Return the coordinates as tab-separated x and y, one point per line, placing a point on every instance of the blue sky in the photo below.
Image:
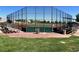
72	10
5	10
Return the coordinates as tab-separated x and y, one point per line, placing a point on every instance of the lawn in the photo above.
40	44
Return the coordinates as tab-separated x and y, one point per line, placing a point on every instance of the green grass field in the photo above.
40	45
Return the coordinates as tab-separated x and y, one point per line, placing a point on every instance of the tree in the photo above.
44	21
9	21
56	22
48	22
77	17
0	18
31	20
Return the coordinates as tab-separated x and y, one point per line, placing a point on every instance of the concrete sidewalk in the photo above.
76	33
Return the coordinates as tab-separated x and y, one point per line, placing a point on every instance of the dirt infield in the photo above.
40	35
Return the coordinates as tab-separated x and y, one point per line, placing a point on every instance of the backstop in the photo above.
40	18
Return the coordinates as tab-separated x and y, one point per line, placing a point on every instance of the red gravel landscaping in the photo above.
39	35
